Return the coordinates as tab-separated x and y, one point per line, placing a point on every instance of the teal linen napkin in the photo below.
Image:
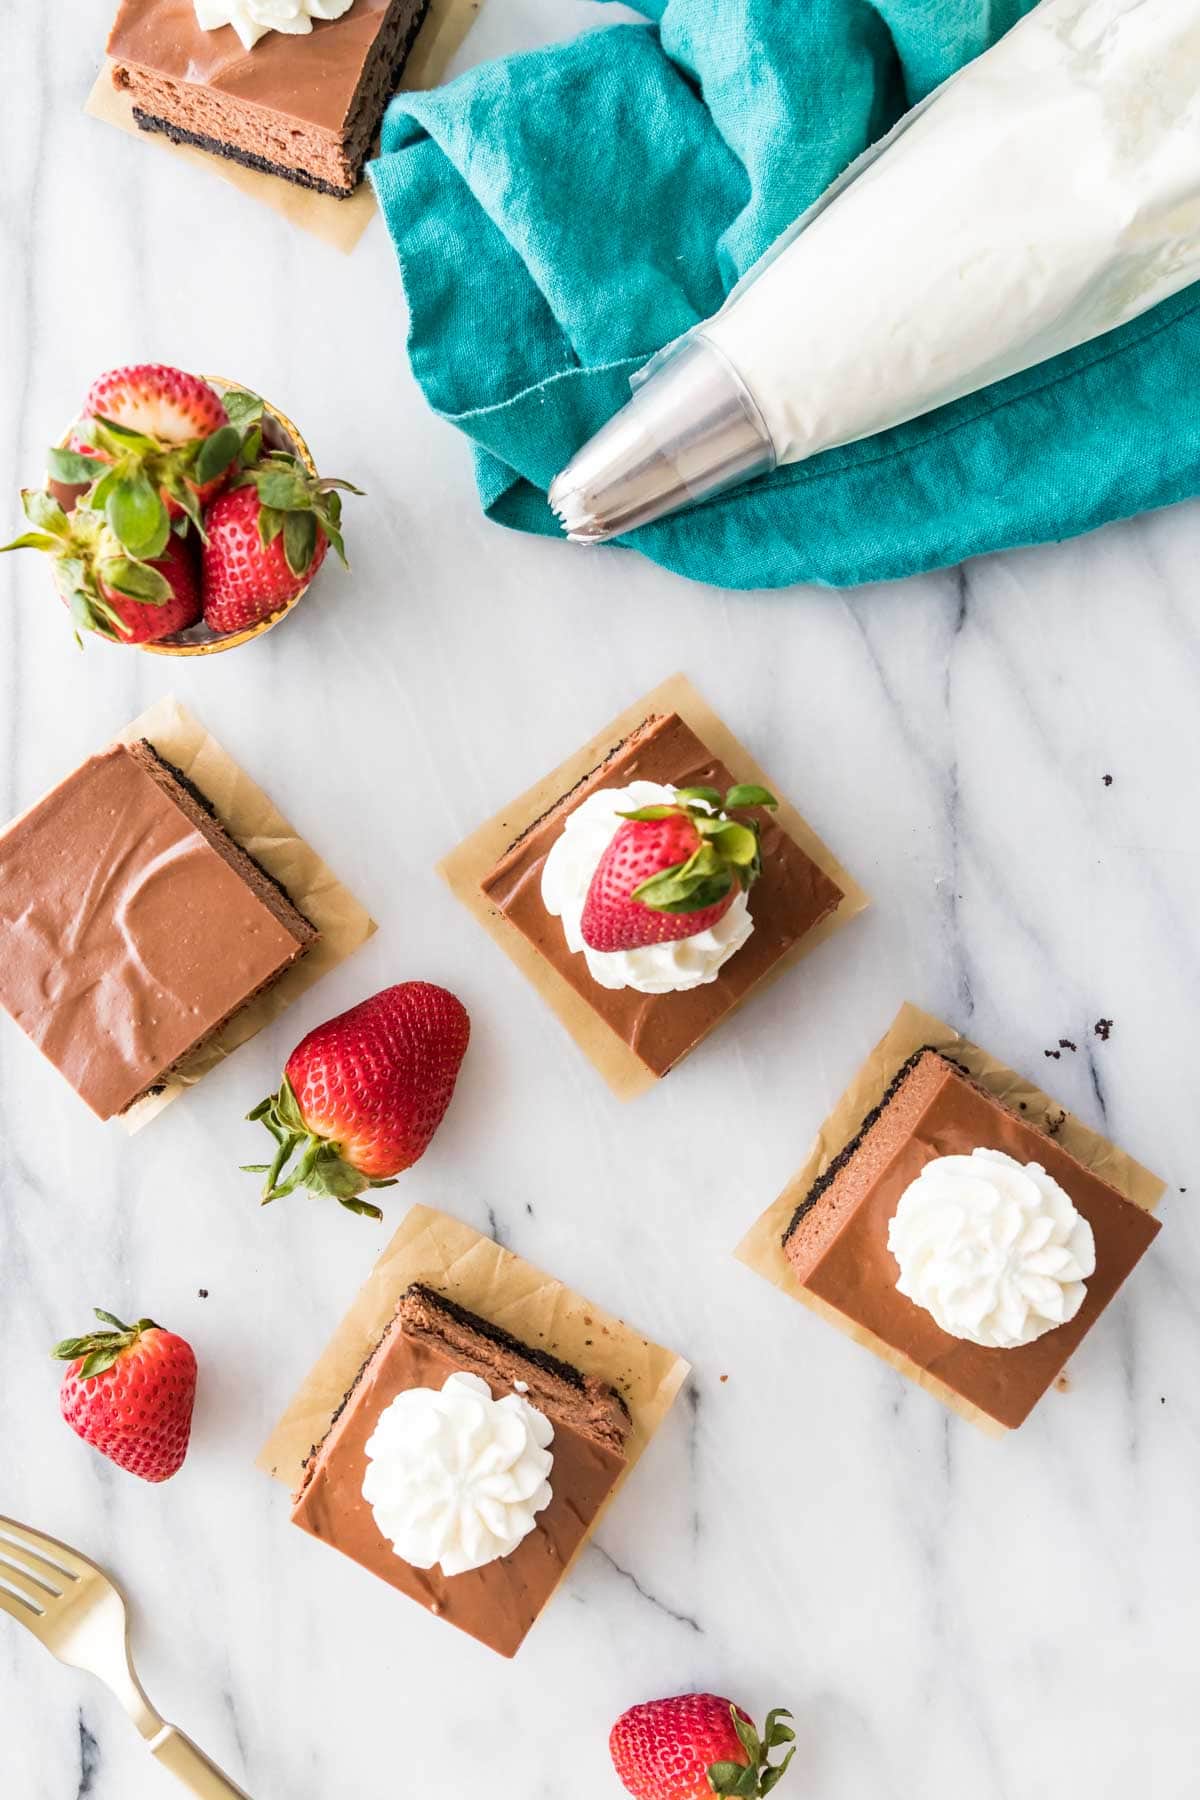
561	215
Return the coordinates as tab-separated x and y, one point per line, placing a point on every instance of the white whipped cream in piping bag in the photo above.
252	19
455	1477
567	875
1047	193
993	1248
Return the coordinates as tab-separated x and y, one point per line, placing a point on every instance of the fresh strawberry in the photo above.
697	1745
129	1393
363	1094
266	539
167	443
105	589
672	871
157	401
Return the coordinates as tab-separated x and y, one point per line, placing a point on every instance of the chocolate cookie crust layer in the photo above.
791	897
196	140
837	1239
428	1339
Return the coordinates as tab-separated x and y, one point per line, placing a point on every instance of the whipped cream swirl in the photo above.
567	875
455	1477
252	19
993	1248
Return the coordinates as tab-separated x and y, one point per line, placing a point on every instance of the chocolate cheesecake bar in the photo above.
430	1338
792	895
132	926
837	1238
305	106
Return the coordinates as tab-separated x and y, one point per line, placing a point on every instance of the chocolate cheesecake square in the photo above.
837	1238
132	926
430	1338
792	896
305	106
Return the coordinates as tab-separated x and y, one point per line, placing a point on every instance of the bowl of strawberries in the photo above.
181	513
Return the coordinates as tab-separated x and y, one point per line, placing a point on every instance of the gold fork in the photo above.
79	1614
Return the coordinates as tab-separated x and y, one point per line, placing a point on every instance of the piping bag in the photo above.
1045	194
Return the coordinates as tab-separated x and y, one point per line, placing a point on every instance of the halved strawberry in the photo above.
168	443
672	871
105	589
157	401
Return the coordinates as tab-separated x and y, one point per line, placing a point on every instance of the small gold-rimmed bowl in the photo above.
279	433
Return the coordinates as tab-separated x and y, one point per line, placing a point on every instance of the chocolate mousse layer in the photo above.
428	1340
132	926
305	106
791	896
837	1238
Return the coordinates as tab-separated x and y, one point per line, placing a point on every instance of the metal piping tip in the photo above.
690	430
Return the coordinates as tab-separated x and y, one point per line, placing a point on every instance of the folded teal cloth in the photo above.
561	215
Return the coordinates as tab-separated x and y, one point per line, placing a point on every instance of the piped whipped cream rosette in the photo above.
252	19
455	1477
651	883
993	1248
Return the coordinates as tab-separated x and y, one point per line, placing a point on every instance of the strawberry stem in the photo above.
728	850
321	1167
98	1350
757	1776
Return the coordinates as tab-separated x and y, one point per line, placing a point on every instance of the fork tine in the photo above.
39	1568
61	1558
27	1584
51	1581
23	1611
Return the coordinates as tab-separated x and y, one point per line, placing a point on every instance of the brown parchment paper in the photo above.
337	222
465	867
249	816
435	1248
762	1247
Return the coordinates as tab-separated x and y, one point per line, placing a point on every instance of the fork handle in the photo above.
189	1765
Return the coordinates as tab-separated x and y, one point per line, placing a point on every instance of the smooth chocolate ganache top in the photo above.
837	1240
126	937
311	77
791	896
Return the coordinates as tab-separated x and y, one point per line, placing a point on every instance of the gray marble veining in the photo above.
1007	757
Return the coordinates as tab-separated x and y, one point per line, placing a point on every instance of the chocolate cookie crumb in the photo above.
1066	1044
1107	780
1103	1029
1056	1054
202	1293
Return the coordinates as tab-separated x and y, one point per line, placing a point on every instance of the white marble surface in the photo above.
946	1615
